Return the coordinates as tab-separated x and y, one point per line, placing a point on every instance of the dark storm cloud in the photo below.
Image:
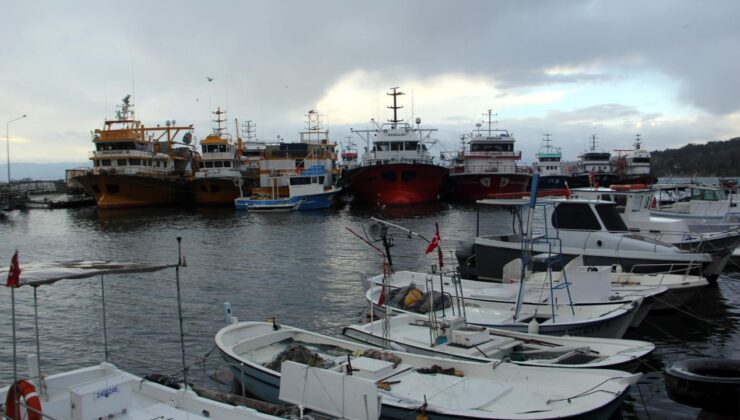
272	60
292	51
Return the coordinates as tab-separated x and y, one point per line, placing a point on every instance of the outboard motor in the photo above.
465	254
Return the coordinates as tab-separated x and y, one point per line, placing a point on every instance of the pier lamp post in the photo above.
7	143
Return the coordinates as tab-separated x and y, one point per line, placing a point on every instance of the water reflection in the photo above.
302	267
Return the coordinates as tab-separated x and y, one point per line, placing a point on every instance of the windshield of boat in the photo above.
578	216
610	217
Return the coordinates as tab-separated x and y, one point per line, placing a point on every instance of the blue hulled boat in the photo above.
306	192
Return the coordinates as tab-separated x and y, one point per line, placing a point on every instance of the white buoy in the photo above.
533	327
227	313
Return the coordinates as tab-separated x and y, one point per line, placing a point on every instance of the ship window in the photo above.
321	179
382	146
200	165
299	163
121	162
636	203
218	164
314	180
134	162
641	160
610	217
221	147
300	180
227	164
105	162
706	195
621	200
574	216
389	176
209	164
408	176
396	145
410	145
203	148
112	188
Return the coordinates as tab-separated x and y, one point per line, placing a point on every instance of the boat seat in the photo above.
497	347
262	341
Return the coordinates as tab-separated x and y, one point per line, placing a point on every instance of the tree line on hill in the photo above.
715	158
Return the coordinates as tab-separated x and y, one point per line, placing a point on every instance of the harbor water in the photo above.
302	268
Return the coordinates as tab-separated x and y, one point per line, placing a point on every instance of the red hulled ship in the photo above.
398	169
487	166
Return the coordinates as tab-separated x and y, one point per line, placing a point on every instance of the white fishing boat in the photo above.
697	203
679	288
415	333
106	391
411	385
601	320
588	228
634	207
103	390
587	288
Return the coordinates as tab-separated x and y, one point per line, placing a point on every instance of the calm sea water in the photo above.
302	268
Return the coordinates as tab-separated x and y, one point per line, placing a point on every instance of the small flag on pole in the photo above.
14	273
434	243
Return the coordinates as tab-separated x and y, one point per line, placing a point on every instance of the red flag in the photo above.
434	243
14	273
592	178
381	298
567	191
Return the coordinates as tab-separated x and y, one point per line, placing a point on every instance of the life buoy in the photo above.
706	383
23	389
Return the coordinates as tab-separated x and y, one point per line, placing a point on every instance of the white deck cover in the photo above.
332	393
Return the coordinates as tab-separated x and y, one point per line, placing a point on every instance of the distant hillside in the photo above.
38	171
716	158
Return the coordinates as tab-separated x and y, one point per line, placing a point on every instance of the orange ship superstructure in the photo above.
222	168
136	166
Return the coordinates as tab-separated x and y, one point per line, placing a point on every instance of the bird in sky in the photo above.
210	79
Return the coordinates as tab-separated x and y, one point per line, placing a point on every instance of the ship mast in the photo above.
547	141
490	115
218	130
249	130
637	141
395	106
593	142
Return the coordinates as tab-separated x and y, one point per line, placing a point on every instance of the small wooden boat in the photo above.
411	385
415	334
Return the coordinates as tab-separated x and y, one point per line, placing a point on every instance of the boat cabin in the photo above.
310	181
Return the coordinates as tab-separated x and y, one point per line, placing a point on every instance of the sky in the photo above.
669	70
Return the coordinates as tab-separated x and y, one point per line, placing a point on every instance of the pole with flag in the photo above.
14	277
435	243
